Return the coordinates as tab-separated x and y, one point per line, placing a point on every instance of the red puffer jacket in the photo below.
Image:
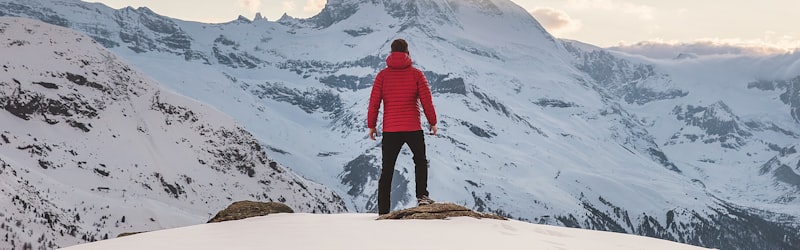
399	86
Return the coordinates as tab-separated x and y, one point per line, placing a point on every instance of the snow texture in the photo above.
335	232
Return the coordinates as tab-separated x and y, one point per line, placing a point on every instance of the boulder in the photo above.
436	211
246	209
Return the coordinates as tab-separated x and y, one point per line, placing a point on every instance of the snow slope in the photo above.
530	127
90	148
362	231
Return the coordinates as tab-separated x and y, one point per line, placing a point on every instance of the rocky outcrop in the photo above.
129	234
436	211
241	210
246	209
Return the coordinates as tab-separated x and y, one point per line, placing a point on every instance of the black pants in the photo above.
392	142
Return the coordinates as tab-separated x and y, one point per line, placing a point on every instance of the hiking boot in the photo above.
424	200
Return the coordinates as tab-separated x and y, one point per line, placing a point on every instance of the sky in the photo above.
359	231
605	23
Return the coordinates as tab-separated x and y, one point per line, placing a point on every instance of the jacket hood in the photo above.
398	60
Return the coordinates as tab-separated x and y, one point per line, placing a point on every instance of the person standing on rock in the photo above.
401	87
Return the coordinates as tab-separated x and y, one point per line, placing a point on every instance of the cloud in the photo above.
644	12
556	21
314	6
661	49
251	5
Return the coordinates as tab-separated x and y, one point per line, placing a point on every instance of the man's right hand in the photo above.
372	133
434	129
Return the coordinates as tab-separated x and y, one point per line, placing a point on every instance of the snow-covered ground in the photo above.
362	231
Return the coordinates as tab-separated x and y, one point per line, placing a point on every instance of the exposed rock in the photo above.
129	234
436	211
246	209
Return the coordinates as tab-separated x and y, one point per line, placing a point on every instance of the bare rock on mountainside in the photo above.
129	234
246	209
436	211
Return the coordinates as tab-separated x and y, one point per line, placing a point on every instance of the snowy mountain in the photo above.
90	148
724	116
531	127
335	231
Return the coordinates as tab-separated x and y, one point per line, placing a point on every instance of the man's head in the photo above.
400	45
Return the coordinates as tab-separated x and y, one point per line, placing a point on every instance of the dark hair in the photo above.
400	45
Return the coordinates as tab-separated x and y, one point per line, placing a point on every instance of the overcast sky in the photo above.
604	23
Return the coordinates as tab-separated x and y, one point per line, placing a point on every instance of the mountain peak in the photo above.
242	19
418	11
259	17
286	19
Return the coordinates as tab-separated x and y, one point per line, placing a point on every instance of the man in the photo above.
401	87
